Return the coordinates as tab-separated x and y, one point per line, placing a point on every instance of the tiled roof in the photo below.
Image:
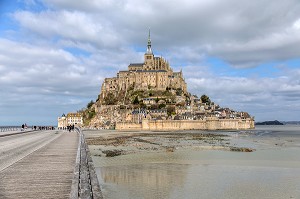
150	71
136	64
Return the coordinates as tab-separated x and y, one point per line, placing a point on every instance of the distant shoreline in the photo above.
283	123
275	122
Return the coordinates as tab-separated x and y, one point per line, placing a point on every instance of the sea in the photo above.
271	171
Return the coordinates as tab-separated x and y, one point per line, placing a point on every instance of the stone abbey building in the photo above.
154	73
151	96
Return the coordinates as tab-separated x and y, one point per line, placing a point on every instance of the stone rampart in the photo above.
128	126
174	125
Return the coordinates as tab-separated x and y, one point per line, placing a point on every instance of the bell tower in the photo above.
149	57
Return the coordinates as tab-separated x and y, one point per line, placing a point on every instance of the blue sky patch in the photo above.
77	51
270	69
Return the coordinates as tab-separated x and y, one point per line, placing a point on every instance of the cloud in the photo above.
253	94
63	49
244	34
74	26
39	76
35	77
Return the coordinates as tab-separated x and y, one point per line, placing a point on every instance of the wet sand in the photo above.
168	165
111	144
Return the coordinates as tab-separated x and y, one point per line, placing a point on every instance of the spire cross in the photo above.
149	35
149	50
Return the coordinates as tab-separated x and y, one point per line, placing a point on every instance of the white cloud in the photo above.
244	34
72	25
275	96
43	67
296	24
44	73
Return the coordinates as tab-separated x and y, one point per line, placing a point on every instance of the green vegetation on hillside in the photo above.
135	97
88	113
205	99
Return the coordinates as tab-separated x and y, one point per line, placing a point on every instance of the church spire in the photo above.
149	50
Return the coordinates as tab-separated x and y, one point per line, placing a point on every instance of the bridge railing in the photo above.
85	183
9	128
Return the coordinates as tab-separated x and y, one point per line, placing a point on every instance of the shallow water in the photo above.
269	172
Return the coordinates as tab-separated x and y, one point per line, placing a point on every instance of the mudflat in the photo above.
259	163
109	144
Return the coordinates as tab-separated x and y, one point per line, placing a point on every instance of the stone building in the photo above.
70	119
62	121
74	118
154	73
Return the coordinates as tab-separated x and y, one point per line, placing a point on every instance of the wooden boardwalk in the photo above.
46	173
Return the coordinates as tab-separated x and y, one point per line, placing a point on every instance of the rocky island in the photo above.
275	122
151	96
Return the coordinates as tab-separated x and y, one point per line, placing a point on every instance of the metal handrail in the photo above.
85	183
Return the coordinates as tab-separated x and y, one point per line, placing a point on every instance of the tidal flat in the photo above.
259	163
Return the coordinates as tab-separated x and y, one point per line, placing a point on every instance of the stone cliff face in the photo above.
106	117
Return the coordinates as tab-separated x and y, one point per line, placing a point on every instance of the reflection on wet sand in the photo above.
271	171
206	174
145	180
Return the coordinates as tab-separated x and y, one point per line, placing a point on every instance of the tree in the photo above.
90	104
156	100
91	114
179	91
160	106
167	93
142	105
205	99
98	98
170	110
110	99
136	100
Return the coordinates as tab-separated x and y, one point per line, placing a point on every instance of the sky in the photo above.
55	54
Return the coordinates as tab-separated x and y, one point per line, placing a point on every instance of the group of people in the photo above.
69	128
23	127
43	128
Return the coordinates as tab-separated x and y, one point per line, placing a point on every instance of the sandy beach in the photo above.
260	163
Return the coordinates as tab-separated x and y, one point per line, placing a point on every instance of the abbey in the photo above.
151	96
155	73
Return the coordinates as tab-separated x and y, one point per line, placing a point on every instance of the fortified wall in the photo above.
175	125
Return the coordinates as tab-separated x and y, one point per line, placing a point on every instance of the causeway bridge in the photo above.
46	164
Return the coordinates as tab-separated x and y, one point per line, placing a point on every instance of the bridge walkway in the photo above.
46	173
